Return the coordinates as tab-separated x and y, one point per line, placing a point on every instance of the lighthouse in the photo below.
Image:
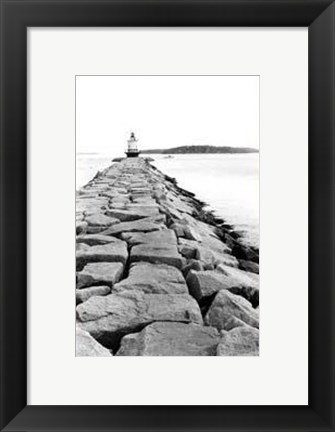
132	149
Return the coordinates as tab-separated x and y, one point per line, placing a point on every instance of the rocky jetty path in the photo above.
157	275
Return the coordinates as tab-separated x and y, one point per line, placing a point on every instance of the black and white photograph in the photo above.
163	162
167	215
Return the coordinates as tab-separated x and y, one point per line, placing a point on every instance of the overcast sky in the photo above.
166	111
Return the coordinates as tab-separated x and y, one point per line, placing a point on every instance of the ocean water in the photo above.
228	183
87	165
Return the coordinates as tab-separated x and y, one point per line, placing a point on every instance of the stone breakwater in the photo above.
157	274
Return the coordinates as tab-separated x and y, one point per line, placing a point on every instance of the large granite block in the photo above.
153	279
111	317
158	254
171	339
111	252
101	273
227	306
241	341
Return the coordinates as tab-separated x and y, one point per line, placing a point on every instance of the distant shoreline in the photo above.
201	150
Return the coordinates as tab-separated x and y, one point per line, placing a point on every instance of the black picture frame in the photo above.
16	17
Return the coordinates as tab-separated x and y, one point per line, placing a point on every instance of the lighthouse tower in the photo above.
132	149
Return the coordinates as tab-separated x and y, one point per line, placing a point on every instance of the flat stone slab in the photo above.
140	191
157	254
142	225
206	283
83	193
144	200
115	315
87	346
121	199
111	252
131	215
139	184
171	339
161	237
101	220
111	194
144	207
153	279
227	306
102	273
84	294
119	190
96	239
241	341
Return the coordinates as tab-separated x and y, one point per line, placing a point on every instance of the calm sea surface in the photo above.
229	184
